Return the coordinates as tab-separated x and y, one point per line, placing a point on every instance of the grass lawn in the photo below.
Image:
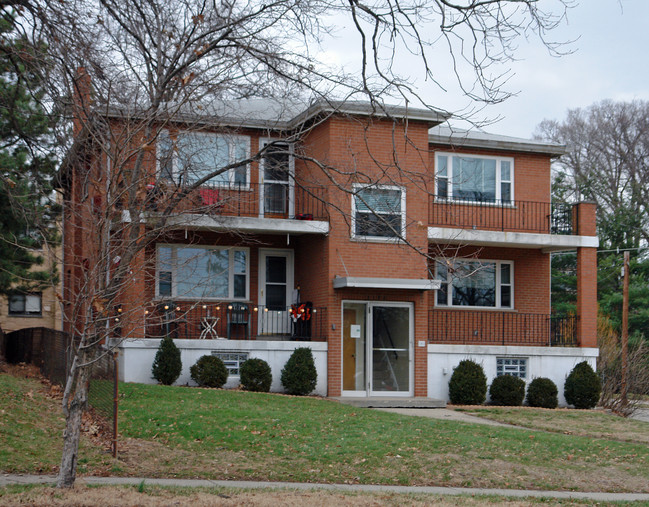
217	434
588	423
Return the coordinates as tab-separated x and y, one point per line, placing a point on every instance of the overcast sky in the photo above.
610	61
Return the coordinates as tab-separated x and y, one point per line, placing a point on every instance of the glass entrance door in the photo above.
377	349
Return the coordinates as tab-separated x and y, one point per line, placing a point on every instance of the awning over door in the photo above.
386	283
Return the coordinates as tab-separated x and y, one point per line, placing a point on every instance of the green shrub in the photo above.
256	375
468	384
209	371
299	375
167	364
507	390
583	387
542	392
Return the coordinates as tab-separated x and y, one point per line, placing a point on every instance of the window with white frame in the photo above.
25	304
514	366
190	156
198	272
379	212
475	283
232	360
473	178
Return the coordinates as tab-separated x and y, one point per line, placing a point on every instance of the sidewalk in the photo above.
7	479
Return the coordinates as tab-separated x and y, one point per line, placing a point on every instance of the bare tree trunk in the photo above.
77	388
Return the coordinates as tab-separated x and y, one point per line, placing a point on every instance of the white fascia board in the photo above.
386	283
247	224
546	242
512	350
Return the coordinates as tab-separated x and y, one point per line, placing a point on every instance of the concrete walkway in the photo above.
7	479
446	414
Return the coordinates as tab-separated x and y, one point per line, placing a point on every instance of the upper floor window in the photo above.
476	283
379	212
472	178
197	272
25	304
191	156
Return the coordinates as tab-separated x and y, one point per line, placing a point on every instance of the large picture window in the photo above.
379	212
475	283
191	156
470	178
195	272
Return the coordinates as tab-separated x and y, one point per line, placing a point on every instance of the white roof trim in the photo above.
386	283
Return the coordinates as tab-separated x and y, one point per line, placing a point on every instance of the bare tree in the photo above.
607	163
156	65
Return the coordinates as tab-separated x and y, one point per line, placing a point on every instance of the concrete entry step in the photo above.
392	402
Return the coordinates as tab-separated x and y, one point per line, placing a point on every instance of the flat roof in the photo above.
475	138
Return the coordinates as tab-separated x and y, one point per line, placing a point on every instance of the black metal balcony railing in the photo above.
502	328
504	215
272	200
230	320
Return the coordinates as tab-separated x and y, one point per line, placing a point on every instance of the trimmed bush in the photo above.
542	392
167	364
256	375
583	386
507	390
299	375
468	384
209	371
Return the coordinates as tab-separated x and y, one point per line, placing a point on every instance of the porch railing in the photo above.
504	215
234	320
501	328
271	200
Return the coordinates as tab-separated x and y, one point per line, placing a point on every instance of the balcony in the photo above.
499	215
234	321
248	208
522	224
470	327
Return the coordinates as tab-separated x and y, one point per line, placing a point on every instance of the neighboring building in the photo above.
34	309
271	255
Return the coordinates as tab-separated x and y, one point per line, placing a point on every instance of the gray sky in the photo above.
610	61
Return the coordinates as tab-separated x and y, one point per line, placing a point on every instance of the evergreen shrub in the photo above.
507	390
468	384
542	392
167	364
299	375
256	375
209	371
583	387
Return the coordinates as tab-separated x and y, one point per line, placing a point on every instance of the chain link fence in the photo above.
52	351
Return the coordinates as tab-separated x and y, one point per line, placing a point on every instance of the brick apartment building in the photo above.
390	244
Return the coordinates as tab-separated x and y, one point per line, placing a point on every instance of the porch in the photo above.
234	321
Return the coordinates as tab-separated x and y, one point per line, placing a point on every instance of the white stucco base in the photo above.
554	363
136	358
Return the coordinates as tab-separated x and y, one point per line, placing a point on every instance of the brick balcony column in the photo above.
586	277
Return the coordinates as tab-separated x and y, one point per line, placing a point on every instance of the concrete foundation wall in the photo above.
136	358
554	363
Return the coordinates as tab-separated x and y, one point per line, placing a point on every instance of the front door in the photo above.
275	291
377	349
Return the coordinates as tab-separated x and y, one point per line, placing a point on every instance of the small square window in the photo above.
515	366
231	360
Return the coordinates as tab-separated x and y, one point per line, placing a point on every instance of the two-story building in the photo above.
391	245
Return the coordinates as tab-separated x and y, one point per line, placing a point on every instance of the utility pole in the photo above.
625	332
